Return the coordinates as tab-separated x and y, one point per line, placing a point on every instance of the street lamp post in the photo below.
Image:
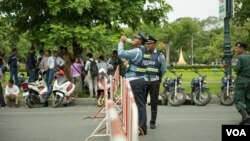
192	48
227	41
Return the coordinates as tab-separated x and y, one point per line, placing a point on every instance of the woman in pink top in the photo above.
76	69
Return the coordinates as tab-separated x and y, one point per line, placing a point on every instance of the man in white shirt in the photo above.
58	60
11	93
51	70
103	64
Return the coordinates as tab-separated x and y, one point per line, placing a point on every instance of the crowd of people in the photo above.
47	62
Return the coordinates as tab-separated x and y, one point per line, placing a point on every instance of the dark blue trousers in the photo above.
32	75
2	103
139	90
14	73
152	88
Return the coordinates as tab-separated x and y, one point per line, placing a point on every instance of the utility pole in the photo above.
192	49
227	41
167	44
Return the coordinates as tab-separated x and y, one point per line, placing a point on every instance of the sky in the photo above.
193	8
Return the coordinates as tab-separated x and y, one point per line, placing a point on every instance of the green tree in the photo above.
89	24
242	11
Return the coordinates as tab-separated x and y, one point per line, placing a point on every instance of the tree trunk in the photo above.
167	53
77	50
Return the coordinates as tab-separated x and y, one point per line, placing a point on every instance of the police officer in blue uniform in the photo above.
155	70
135	75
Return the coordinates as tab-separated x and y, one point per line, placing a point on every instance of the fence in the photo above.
120	121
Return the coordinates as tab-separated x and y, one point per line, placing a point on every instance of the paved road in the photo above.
185	123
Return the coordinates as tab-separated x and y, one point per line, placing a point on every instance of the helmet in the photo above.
102	71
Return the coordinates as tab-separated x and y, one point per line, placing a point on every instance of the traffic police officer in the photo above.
242	84
155	70
135	75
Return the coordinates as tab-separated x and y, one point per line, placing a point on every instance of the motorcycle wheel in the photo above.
164	98
227	100
202	98
57	101
177	99
30	103
100	100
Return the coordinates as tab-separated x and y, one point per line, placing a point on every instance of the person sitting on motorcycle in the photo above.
59	73
21	78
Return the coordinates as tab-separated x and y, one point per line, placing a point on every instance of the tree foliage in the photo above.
96	25
90	24
242	11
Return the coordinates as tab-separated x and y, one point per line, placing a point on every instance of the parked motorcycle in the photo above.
227	90
34	93
200	94
173	91
62	91
101	87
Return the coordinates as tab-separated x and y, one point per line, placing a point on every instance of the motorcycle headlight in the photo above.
233	80
204	81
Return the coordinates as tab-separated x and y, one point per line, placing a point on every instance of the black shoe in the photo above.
247	122
152	126
245	117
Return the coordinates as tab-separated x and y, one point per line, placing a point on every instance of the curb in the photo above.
92	101
215	100
77	102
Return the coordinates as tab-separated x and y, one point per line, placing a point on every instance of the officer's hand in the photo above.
123	39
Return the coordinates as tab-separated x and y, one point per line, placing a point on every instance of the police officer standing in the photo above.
155	70
135	75
242	84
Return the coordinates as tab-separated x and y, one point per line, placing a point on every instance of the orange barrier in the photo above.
117	133
126	128
116	79
105	121
129	112
115	83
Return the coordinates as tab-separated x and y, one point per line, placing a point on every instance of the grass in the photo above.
213	80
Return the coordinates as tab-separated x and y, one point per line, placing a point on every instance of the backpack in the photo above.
93	69
4	68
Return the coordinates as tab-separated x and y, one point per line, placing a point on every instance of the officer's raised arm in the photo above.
127	54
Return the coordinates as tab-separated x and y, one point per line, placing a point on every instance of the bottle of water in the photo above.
128	40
